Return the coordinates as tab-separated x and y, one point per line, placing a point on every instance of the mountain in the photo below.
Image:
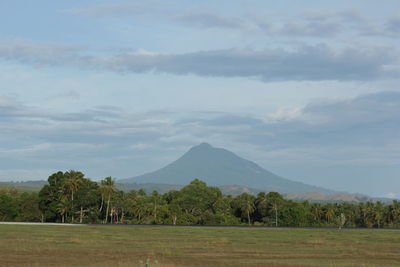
233	190
220	167
148	187
333	198
24	186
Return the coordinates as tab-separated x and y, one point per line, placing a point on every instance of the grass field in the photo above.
30	245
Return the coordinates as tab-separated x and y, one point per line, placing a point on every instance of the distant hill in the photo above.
234	190
148	187
220	167
336	198
25	186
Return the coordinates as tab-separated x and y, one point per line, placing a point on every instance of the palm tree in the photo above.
275	207
108	186
156	198
246	205
62	208
369	213
72	184
316	210
379	213
262	205
394	213
330	213
276	201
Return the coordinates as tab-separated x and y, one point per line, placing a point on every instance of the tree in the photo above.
330	213
393	214
261	203
223	212
87	198
292	214
245	204
172	199
63	207
342	220
316	211
197	198
108	185
379	213
70	194
28	207
155	200
72	182
369	214
49	197
8	205
118	206
275	200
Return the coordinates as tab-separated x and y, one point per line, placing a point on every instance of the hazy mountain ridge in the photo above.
220	167
234	190
318	197
25	186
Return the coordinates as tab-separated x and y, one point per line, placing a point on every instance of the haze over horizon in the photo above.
309	92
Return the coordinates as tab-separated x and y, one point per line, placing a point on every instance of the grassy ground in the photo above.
29	245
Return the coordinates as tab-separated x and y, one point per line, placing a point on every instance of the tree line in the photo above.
69	197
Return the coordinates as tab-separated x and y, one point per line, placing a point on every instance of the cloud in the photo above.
313	63
317	25
8	104
388	29
362	133
321	23
366	114
345	23
305	63
72	94
371	108
310	29
361	130
37	54
348	15
114	9
10	108
209	20
311	24
393	25
284	114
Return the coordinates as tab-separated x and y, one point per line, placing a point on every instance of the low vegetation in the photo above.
27	245
70	197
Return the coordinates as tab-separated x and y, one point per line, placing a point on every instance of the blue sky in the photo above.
307	90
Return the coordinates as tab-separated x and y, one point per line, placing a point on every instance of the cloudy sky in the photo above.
309	90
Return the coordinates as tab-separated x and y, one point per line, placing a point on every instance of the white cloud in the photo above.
314	63
285	114
140	146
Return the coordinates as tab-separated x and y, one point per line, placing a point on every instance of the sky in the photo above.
308	90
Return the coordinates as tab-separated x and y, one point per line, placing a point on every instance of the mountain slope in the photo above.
24	186
217	166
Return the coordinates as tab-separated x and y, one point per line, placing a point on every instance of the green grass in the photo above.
28	245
